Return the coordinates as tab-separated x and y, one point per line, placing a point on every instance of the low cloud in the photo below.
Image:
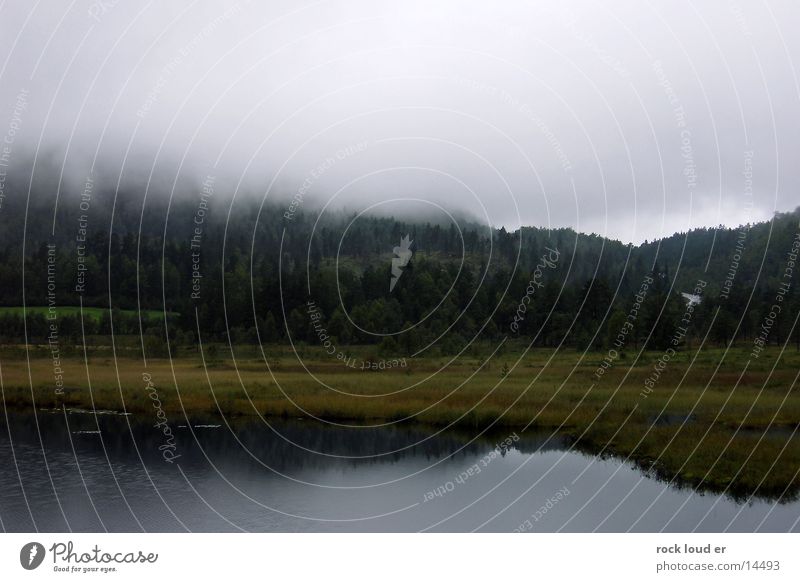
629	120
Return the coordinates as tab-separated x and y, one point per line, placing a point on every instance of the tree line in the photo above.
254	273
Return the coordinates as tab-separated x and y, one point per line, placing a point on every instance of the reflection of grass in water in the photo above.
547	402
708	468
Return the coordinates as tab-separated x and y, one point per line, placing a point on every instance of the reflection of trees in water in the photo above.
281	447
376	445
279	444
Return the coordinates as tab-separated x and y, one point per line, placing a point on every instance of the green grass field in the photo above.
94	313
712	424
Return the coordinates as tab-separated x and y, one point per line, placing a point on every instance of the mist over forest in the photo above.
245	269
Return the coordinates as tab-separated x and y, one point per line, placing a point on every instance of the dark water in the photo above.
301	476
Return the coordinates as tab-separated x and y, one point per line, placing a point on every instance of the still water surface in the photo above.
106	473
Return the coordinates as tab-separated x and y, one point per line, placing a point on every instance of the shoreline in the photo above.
695	428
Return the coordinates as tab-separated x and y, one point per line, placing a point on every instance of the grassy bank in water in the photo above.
705	422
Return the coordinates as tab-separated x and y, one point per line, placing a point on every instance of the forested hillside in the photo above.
259	272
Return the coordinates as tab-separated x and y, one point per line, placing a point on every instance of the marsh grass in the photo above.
741	440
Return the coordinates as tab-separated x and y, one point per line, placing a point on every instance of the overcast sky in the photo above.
631	119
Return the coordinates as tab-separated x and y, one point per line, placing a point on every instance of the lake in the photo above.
76	471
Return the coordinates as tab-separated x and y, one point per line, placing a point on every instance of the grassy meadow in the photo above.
95	313
707	422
